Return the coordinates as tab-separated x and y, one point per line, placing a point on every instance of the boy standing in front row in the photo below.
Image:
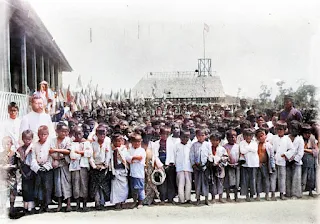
183	167
42	165
283	148
28	176
218	160
137	159
249	149
60	150
81	152
266	165
232	178
199	153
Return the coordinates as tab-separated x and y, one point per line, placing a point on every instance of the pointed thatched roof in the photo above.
179	86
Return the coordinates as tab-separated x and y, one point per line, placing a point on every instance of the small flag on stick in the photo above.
206	27
90	35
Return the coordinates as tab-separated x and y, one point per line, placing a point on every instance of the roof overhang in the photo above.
35	28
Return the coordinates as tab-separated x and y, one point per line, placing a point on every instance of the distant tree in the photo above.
278	101
305	96
265	97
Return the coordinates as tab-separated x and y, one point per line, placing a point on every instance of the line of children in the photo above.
108	169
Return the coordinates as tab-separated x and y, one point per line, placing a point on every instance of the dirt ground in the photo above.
305	210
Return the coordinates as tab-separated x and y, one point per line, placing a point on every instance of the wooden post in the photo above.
34	69
5	77
41	68
24	63
47	75
52	77
59	78
56	76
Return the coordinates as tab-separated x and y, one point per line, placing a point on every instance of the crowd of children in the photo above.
111	156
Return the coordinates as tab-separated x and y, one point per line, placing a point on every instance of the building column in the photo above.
5	77
23	63
52	82
47	75
59	78
56	77
41	68
34	69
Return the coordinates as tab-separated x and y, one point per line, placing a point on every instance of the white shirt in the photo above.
220	152
269	138
40	156
32	121
59	160
239	138
136	166
223	142
170	145
250	151
11	128
43	95
78	161
269	123
182	157
281	146
298	145
101	154
200	152
234	154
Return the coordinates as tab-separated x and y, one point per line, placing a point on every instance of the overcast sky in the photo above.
249	42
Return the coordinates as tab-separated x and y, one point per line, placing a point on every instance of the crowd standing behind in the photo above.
126	151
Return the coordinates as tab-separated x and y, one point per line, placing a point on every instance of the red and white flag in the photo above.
206	27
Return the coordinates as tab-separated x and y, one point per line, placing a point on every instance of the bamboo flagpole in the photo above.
205	29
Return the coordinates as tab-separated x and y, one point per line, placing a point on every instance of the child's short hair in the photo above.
248	132
115	136
164	130
295	125
281	125
102	126
184	132
229	132
61	125
13	104
77	127
27	133
43	128
215	136
306	128
245	124
200	131
6	138
260	130
5	141
135	137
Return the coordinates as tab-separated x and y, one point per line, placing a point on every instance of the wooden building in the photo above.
28	55
28	52
180	87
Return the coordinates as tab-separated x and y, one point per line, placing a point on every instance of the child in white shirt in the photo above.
283	149
136	157
249	149
183	167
